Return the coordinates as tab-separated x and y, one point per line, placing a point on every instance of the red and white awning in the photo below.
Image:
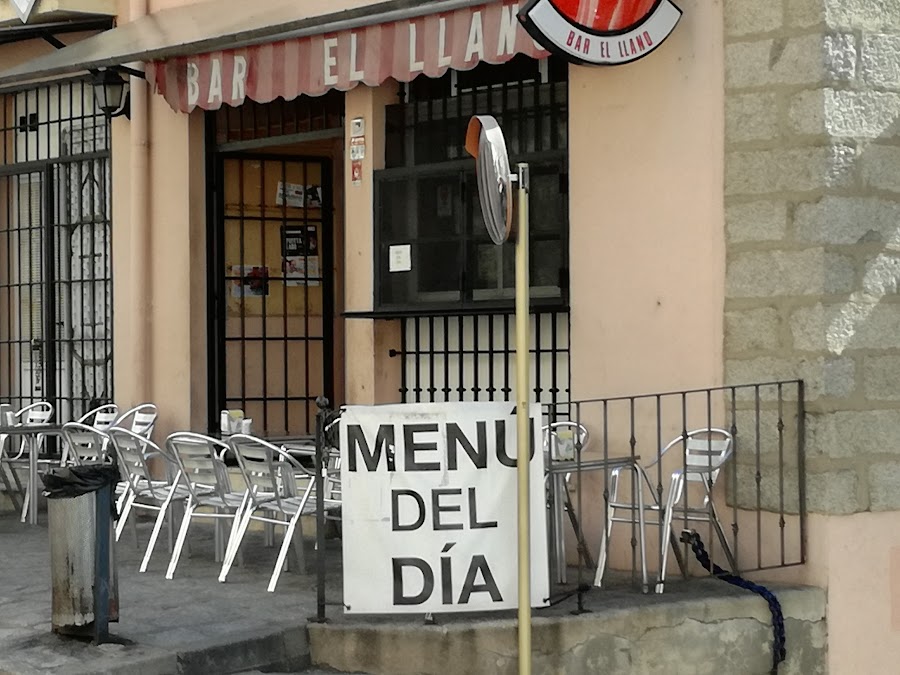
401	50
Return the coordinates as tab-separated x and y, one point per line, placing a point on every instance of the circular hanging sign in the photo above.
485	142
600	32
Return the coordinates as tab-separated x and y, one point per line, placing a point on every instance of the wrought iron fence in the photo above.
740	449
471	357
727	462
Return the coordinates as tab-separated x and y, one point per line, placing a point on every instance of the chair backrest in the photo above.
562	439
200	461
133	452
84	444
36	413
267	469
705	450
140	419
101	418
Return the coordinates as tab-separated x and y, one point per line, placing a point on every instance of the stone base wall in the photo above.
699	636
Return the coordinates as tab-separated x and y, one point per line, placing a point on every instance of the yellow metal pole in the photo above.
523	437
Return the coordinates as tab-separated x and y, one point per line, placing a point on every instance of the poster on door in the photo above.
429	508
300	255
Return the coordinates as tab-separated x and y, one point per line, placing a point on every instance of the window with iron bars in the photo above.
427	197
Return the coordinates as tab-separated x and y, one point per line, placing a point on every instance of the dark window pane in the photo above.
395	223
440	207
547	202
430	202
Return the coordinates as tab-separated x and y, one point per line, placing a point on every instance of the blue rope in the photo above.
779	653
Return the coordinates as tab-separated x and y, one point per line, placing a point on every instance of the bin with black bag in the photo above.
81	514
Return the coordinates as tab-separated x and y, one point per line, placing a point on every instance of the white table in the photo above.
30	433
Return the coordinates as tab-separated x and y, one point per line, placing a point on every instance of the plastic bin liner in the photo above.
75	481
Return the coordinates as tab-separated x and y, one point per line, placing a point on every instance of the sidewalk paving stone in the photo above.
191	624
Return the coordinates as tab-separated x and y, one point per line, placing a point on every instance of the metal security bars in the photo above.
55	249
273	342
253	124
426	198
471	357
757	495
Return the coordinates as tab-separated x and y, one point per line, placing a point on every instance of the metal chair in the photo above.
705	451
101	418
562	441
31	415
134	453
203	473
83	444
278	485
140	419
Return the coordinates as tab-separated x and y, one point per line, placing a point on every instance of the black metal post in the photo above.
101	565
322	404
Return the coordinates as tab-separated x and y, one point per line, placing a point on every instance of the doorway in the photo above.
274	335
56	311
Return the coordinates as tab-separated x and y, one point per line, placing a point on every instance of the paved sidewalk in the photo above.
192	624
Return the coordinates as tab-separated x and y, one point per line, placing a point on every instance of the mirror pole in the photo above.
523	437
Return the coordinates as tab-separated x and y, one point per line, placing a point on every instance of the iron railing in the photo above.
471	357
760	493
759	496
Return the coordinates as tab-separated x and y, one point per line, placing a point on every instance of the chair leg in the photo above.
25	503
604	540
157	526
235	526
282	554
182	535
642	529
559	545
666	534
124	512
236	547
729	554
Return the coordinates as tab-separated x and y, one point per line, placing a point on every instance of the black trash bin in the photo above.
82	552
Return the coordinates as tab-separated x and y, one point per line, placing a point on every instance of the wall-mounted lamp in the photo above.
111	93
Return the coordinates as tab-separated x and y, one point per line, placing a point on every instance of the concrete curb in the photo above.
281	649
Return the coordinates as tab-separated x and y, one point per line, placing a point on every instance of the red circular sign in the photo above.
605	15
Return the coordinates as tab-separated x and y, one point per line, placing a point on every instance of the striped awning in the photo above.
313	65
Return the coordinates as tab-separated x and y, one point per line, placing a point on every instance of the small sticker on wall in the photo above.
290	194
358	148
400	258
356	172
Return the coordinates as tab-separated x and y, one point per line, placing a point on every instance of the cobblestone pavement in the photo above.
220	626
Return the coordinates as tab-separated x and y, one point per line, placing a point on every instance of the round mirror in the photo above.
485	142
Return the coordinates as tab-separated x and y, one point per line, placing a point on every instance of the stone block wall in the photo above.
812	190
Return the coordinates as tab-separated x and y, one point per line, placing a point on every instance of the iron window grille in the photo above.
426	198
56	295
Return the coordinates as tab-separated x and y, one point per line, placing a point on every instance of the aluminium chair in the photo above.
140	419
12	458
562	441
202	472
280	492
101	418
83	444
704	452
134	453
